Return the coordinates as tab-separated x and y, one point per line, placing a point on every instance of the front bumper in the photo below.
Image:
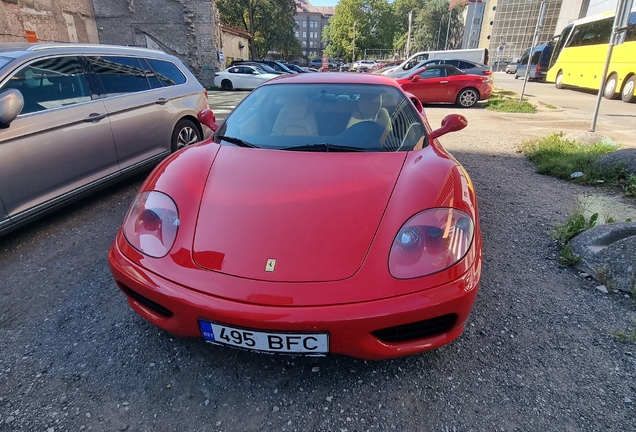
351	327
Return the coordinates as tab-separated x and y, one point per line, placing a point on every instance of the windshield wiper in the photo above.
239	142
327	147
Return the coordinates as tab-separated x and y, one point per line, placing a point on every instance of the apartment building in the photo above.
310	22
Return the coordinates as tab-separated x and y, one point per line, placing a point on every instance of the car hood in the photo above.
289	216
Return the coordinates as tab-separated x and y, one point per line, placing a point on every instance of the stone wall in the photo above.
47	21
184	28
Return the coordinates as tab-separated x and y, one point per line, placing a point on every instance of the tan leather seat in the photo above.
369	108
296	118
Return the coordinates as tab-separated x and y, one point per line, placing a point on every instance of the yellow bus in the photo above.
580	53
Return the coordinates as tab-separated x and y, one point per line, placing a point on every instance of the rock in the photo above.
626	156
588	138
602	288
608	253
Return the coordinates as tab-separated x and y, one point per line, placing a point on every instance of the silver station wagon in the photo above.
74	118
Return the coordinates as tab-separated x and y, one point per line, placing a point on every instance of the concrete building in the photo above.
47	21
188	29
310	22
234	44
508	26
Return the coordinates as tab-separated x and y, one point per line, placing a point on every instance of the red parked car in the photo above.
447	84
324	216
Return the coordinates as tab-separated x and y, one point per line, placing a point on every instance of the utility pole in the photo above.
408	38
537	35
353	60
450	15
620	24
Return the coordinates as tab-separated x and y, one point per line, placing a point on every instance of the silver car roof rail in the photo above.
90	46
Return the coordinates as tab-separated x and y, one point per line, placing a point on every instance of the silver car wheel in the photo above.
467	98
185	133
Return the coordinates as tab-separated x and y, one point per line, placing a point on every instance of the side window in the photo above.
233	70
463	65
433	73
167	72
120	75
50	83
152	78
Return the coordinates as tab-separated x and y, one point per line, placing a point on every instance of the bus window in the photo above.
560	43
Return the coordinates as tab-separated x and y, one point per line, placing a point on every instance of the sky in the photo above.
323	2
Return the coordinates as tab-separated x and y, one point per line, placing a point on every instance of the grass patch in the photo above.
547	105
575	224
558	157
626	335
510	105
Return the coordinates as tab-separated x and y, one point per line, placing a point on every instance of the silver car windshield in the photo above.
325	117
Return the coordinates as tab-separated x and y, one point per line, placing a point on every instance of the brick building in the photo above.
187	29
47	21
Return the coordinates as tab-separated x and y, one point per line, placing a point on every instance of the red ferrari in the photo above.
447	84
323	217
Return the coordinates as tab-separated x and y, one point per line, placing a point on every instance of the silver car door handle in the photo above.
443	82
161	101
94	117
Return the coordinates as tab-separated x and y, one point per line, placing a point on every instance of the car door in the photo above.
140	110
59	143
431	86
237	76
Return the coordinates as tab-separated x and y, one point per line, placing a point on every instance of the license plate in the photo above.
278	342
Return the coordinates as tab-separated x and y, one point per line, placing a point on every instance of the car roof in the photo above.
333	78
34	50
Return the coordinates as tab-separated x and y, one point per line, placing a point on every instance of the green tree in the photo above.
270	24
431	27
358	25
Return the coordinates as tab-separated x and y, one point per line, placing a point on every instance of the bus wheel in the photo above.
609	92
628	90
559	80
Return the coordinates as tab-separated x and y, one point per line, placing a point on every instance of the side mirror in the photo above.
207	117
11	103
450	123
415	78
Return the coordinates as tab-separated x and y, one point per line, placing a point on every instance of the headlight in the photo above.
430	241
151	224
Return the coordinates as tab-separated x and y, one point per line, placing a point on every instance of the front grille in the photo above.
416	330
153	306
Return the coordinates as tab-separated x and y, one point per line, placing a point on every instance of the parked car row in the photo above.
75	118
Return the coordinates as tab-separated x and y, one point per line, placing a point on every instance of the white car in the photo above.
241	77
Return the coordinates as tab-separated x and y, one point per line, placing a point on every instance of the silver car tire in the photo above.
609	91
467	98
185	133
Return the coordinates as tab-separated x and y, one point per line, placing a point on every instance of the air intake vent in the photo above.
145	301
417	330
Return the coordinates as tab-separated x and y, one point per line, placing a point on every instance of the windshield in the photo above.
337	117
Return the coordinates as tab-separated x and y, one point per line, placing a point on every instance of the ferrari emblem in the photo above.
271	264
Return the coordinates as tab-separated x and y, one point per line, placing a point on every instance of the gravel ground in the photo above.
537	354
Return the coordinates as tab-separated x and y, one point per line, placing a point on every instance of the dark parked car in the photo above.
74	118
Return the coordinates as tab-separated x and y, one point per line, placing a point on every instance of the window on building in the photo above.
304	34
477	21
297	34
304	43
304	23
297	24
